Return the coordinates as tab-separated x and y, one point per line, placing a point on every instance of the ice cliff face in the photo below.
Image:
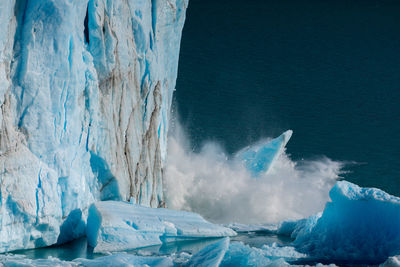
85	93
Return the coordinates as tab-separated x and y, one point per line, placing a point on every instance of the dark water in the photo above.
79	248
329	70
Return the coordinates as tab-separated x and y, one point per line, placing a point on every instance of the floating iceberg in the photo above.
117	226
358	225
288	253
119	260
222	253
243	228
211	255
259	158
244	255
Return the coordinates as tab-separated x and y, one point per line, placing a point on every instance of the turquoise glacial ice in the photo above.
358	225
119	226
85	93
260	157
211	255
220	253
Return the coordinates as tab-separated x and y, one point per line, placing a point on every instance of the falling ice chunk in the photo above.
260	157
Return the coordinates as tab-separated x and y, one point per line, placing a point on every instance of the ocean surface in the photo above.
328	70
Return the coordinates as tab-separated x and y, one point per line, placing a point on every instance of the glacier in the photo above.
119	226
85	94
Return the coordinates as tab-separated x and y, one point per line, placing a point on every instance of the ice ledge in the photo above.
118	226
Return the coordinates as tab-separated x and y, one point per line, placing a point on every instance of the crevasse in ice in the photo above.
85	94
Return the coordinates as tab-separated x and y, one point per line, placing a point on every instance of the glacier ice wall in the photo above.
85	93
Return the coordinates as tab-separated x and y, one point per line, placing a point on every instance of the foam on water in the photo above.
221	189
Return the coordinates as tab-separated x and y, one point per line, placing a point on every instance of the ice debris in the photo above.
115	260
240	254
122	259
244	228
260	157
219	253
211	255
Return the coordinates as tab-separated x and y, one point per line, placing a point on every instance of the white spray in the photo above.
223	190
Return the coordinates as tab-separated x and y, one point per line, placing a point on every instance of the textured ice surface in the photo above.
259	158
222	253
294	228
22	261
116	260
244	255
211	255
359	224
117	226
239	227
276	251
85	94
119	260
219	253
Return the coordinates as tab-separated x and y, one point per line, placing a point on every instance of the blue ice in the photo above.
85	89
118	226
358	225
211	255
260	157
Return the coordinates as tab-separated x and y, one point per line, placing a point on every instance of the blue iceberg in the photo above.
118	226
246	228
211	255
224	253
358	225
125	260
260	157
240	254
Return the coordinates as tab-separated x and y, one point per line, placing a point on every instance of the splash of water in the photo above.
223	190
